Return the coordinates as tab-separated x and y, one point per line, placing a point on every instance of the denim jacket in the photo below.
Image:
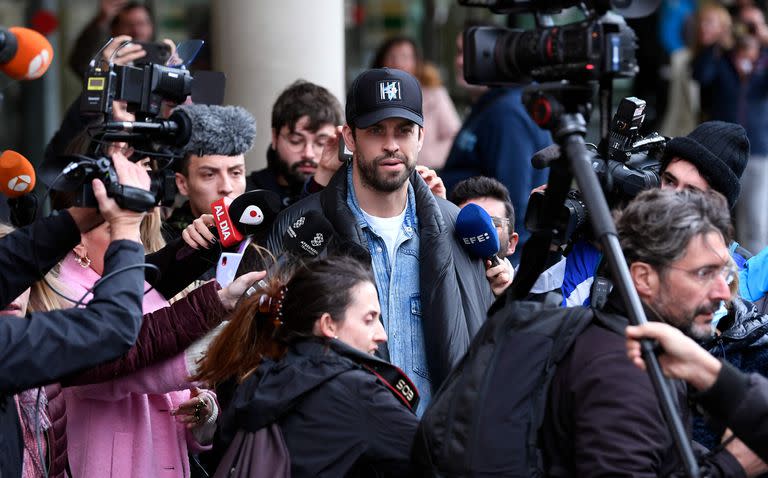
397	282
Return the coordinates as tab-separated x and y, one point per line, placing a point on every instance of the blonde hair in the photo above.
151	231
723	16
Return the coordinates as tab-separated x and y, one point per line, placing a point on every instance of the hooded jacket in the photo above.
337	418
455	295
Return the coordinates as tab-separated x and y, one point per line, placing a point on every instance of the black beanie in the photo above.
719	150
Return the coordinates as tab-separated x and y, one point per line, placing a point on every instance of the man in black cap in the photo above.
712	156
433	296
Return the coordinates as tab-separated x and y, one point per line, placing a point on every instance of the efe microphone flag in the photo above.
477	233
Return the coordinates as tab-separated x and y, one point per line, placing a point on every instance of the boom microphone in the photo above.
199	129
477	233
24	54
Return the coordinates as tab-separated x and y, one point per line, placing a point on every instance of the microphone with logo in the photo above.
247	217
250	213
17	180
24	54
477	233
305	238
308	235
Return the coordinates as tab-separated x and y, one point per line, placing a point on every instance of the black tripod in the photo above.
561	108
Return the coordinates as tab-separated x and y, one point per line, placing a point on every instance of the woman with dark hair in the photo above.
441	121
302	350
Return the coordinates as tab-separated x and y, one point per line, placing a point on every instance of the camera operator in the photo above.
53	344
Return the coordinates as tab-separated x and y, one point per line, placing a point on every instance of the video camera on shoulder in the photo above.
144	87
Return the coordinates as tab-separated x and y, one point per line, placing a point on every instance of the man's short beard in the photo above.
687	324
368	172
290	173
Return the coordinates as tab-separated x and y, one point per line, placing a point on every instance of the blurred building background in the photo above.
262	46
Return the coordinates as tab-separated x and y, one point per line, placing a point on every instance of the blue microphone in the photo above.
477	233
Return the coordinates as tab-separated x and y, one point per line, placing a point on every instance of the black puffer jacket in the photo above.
336	417
455	295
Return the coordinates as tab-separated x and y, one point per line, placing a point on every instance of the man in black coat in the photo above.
602	416
433	296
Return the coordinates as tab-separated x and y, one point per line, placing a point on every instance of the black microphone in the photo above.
254	211
198	129
308	235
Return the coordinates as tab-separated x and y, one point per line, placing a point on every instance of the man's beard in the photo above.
686	320
389	183
291	172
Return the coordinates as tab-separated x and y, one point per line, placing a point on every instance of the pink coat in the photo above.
123	428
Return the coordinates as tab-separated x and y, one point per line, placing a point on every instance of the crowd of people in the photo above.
124	352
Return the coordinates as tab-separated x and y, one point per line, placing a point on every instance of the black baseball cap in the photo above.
383	93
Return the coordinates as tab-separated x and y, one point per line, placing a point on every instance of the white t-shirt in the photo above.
388	228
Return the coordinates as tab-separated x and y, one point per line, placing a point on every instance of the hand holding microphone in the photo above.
478	235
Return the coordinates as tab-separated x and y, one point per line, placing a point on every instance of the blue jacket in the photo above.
498	140
743	102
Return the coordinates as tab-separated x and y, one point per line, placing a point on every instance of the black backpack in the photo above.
484	420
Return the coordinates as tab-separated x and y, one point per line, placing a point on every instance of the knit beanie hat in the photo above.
719	150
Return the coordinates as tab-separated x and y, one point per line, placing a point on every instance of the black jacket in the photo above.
53	344
740	402
455	295
603	417
336	417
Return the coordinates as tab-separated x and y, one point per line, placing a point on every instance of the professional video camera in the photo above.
599	45
631	166
143	88
573	58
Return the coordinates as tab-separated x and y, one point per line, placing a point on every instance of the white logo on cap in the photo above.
252	216
299	222
389	90
317	240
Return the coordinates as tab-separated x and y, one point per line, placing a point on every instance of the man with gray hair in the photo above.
603	417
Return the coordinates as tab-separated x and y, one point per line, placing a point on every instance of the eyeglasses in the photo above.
705	275
298	143
500	221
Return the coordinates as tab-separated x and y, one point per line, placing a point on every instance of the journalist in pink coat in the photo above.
125	428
